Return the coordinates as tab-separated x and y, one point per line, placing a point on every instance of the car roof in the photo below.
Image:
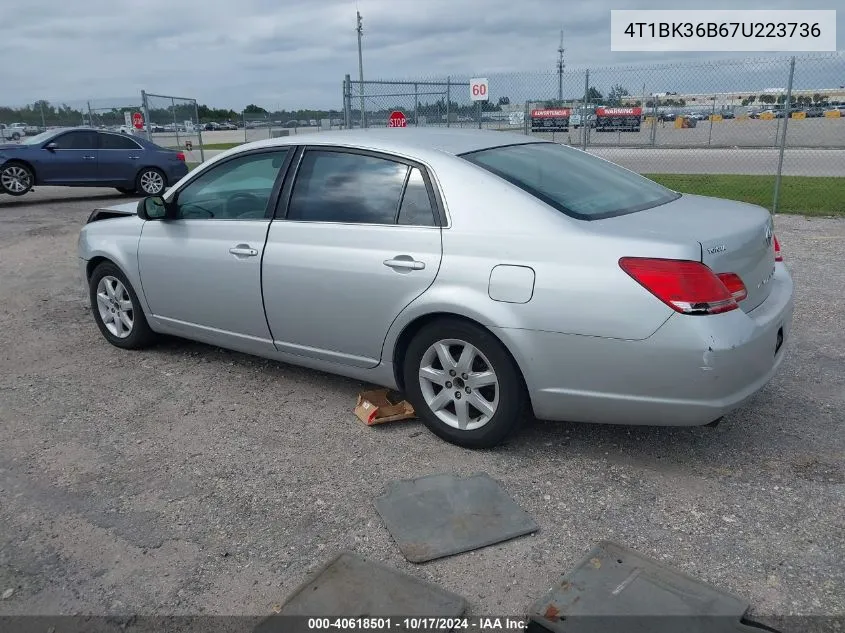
450	140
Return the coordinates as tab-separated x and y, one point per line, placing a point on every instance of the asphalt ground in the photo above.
187	479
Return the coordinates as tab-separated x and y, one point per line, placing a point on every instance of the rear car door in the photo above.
73	160
356	239
201	272
119	158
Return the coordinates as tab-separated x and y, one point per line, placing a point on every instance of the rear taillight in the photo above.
685	286
734	285
180	156
778	254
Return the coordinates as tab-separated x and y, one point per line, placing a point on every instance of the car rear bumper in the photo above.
176	172
690	372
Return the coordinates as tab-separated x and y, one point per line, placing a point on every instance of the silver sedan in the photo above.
480	273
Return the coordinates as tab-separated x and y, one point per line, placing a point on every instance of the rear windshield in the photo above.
572	181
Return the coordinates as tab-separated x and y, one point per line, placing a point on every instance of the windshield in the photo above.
572	181
38	138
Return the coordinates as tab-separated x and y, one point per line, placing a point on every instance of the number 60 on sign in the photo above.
478	89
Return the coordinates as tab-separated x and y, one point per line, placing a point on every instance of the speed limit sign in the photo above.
478	89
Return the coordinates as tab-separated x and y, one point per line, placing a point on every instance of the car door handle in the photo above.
88	157
243	250
404	262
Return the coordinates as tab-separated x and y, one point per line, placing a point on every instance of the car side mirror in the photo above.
51	146
152	208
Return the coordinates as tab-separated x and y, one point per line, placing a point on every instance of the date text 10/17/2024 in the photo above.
418	624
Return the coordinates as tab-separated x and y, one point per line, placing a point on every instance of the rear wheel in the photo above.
150	181
463	384
16	178
117	310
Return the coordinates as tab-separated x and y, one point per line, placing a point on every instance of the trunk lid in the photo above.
735	237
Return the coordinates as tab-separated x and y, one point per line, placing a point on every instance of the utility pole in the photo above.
560	67
360	30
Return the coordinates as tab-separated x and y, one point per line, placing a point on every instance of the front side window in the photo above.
572	181
76	140
345	187
238	189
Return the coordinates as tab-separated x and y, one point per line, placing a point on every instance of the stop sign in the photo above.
397	119
138	120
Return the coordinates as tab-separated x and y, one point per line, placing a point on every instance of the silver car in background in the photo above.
481	273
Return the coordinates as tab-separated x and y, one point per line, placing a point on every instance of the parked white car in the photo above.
9	133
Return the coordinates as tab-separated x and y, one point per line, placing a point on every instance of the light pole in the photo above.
560	67
360	30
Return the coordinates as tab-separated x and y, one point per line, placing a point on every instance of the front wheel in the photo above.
16	179
117	310
463	384
150	181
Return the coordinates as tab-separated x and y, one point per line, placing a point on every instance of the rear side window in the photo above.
346	187
116	141
416	208
572	181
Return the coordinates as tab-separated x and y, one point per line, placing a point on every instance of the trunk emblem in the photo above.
767	279
767	235
717	249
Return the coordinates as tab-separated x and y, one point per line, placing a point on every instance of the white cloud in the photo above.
294	53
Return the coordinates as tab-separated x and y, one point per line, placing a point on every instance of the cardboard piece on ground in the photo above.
441	515
375	407
615	588
350	586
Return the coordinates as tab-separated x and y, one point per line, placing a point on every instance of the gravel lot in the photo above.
188	479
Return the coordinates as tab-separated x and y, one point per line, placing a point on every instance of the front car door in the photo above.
201	272
356	239
73	160
119	159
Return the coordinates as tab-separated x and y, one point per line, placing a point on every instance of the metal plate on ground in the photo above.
350	586
615	588
441	515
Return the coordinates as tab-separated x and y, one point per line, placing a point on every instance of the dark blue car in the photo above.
84	157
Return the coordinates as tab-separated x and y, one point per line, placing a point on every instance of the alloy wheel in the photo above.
459	384
152	183
115	306
15	179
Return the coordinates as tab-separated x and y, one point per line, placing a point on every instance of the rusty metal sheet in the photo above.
441	515
350	586
615	588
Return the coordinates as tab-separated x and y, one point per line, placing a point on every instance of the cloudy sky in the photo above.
294	53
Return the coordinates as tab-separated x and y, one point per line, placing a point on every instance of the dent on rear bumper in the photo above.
690	372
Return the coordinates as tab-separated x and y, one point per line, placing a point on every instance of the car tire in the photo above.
16	137
150	182
16	178
126	191
113	298
491	407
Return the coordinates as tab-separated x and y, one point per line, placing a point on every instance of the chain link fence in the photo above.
760	118
174	122
257	126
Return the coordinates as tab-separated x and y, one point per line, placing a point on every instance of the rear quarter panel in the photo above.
578	288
